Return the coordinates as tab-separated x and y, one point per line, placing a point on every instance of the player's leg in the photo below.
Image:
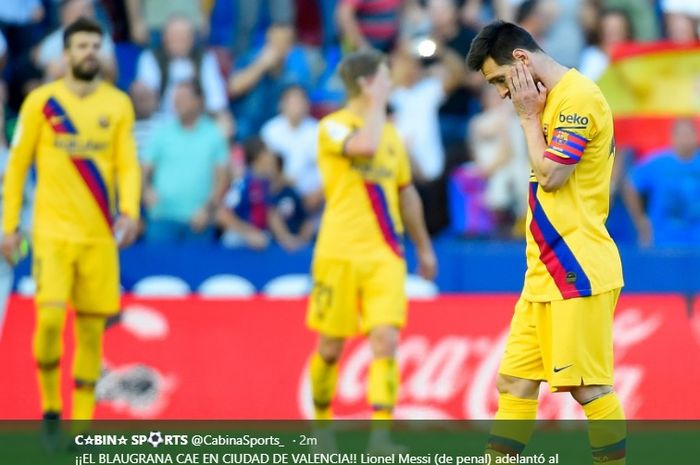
383	378
323	371
95	297
518	383
52	271
583	365
384	308
332	312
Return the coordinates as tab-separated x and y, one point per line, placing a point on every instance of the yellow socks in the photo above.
86	364
324	377
513	425
383	387
607	429
48	347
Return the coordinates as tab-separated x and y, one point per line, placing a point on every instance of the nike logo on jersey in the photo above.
557	370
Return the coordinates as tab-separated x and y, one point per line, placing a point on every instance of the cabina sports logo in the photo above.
573	119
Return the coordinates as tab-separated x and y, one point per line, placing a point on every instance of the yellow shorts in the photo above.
565	342
353	297
84	274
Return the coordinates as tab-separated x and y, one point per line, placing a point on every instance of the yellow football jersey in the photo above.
361	220
569	251
84	153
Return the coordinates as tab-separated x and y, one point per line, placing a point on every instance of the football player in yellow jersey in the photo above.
77	132
561	330
359	269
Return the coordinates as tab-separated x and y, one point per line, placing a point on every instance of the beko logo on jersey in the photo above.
573	119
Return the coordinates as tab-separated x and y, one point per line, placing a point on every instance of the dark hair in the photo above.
252	148
525	10
279	162
356	65
81	25
194	85
614	12
498	40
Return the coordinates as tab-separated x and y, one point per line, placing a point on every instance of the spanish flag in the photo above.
648	86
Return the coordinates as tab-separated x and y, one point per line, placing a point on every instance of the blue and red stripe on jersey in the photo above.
58	118
377	200
93	180
555	254
377	19
567	143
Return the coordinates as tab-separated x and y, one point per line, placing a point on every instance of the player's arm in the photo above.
346	19
365	141
412	216
21	156
529	99
128	174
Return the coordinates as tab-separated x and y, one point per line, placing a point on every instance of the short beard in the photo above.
85	75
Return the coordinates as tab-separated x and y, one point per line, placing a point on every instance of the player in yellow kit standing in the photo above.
359	270
77	132
561	330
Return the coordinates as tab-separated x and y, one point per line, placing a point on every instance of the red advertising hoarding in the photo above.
242	359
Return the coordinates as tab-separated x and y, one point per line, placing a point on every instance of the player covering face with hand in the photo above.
359	269
561	330
77	131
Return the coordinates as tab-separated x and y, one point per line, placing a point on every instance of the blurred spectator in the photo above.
184	167
145	103
293	134
369	23
243	216
249	14
421	86
499	151
18	24
642	13
261	76
681	27
536	17
669	185
127	21
180	59
157	14
614	28
565	38
289	222
49	54
460	103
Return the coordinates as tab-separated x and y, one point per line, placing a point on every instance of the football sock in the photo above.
324	376
512	426
607	429
383	387
48	347
86	364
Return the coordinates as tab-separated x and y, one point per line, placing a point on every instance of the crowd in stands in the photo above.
228	93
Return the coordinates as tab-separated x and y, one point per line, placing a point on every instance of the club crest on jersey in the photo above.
103	121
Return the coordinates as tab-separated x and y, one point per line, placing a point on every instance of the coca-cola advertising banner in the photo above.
247	359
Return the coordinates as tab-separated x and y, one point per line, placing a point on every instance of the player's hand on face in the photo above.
378	87
10	246
528	98
427	263
125	231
